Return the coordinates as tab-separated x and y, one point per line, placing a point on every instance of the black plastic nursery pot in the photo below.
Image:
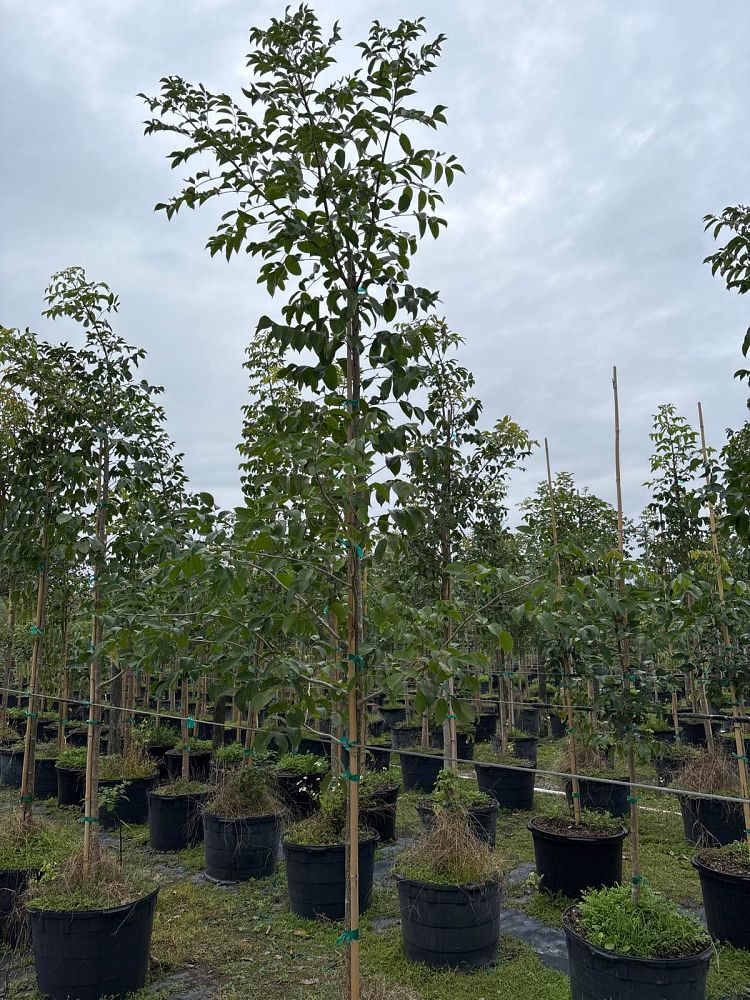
174	821
665	736
300	793
132	807
558	727
420	773
726	900
238	850
601	796
378	758
449	926
486	727
11	766
71	785
379	813
158	754
403	737
199	764
523	747
316	878
13	921
527	720
570	864
512	788
711	823
320	748
465	746
482	819
693	730
45	778
90	954
392	715
596	974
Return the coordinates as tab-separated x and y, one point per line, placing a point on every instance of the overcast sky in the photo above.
595	135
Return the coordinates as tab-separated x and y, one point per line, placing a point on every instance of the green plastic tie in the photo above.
248	752
348	776
450	717
746	831
632	799
345	936
40	568
26	798
347	744
637	879
356	658
190	723
739	756
102	505
325	609
575	795
92	722
632	678
360	290
89	819
131	720
354	403
37	629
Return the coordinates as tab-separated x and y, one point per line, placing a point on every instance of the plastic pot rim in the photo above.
316	848
701	866
616	956
447	886
557	835
91	914
229	821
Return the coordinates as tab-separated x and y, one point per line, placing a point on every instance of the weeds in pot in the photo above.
454	792
327	827
246	793
232	753
127	767
651	928
733	859
450	853
710	771
302	764
107	885
148	734
183	786
33	844
73	758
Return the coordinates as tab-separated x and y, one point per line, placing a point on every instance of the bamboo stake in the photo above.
27	774
635	853
185	733
575	788
739	739
64	683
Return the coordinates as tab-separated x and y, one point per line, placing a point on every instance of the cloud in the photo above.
595	136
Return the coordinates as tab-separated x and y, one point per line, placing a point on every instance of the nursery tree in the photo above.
122	425
332	194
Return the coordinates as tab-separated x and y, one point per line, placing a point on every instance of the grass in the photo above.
225	943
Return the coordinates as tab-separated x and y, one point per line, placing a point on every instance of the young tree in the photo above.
332	194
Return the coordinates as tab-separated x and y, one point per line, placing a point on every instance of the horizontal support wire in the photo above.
327	738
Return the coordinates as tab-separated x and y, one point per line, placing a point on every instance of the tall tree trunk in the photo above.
32	712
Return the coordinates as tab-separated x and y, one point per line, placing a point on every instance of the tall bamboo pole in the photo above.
739	738
635	854
575	789
8	661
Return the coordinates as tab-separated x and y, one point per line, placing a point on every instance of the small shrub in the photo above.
302	764
651	928
73	758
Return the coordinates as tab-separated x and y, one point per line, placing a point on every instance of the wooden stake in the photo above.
185	772
739	737
575	787
635	853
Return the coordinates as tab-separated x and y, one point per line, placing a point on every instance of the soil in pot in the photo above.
419	771
174	816
596	972
601	796
316	877
571	859
725	884
512	787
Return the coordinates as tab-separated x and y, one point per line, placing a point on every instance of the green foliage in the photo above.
651	928
37	848
245	793
455	793
73	758
183	786
303	764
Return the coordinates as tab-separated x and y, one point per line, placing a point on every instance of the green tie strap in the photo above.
348	776
345	936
